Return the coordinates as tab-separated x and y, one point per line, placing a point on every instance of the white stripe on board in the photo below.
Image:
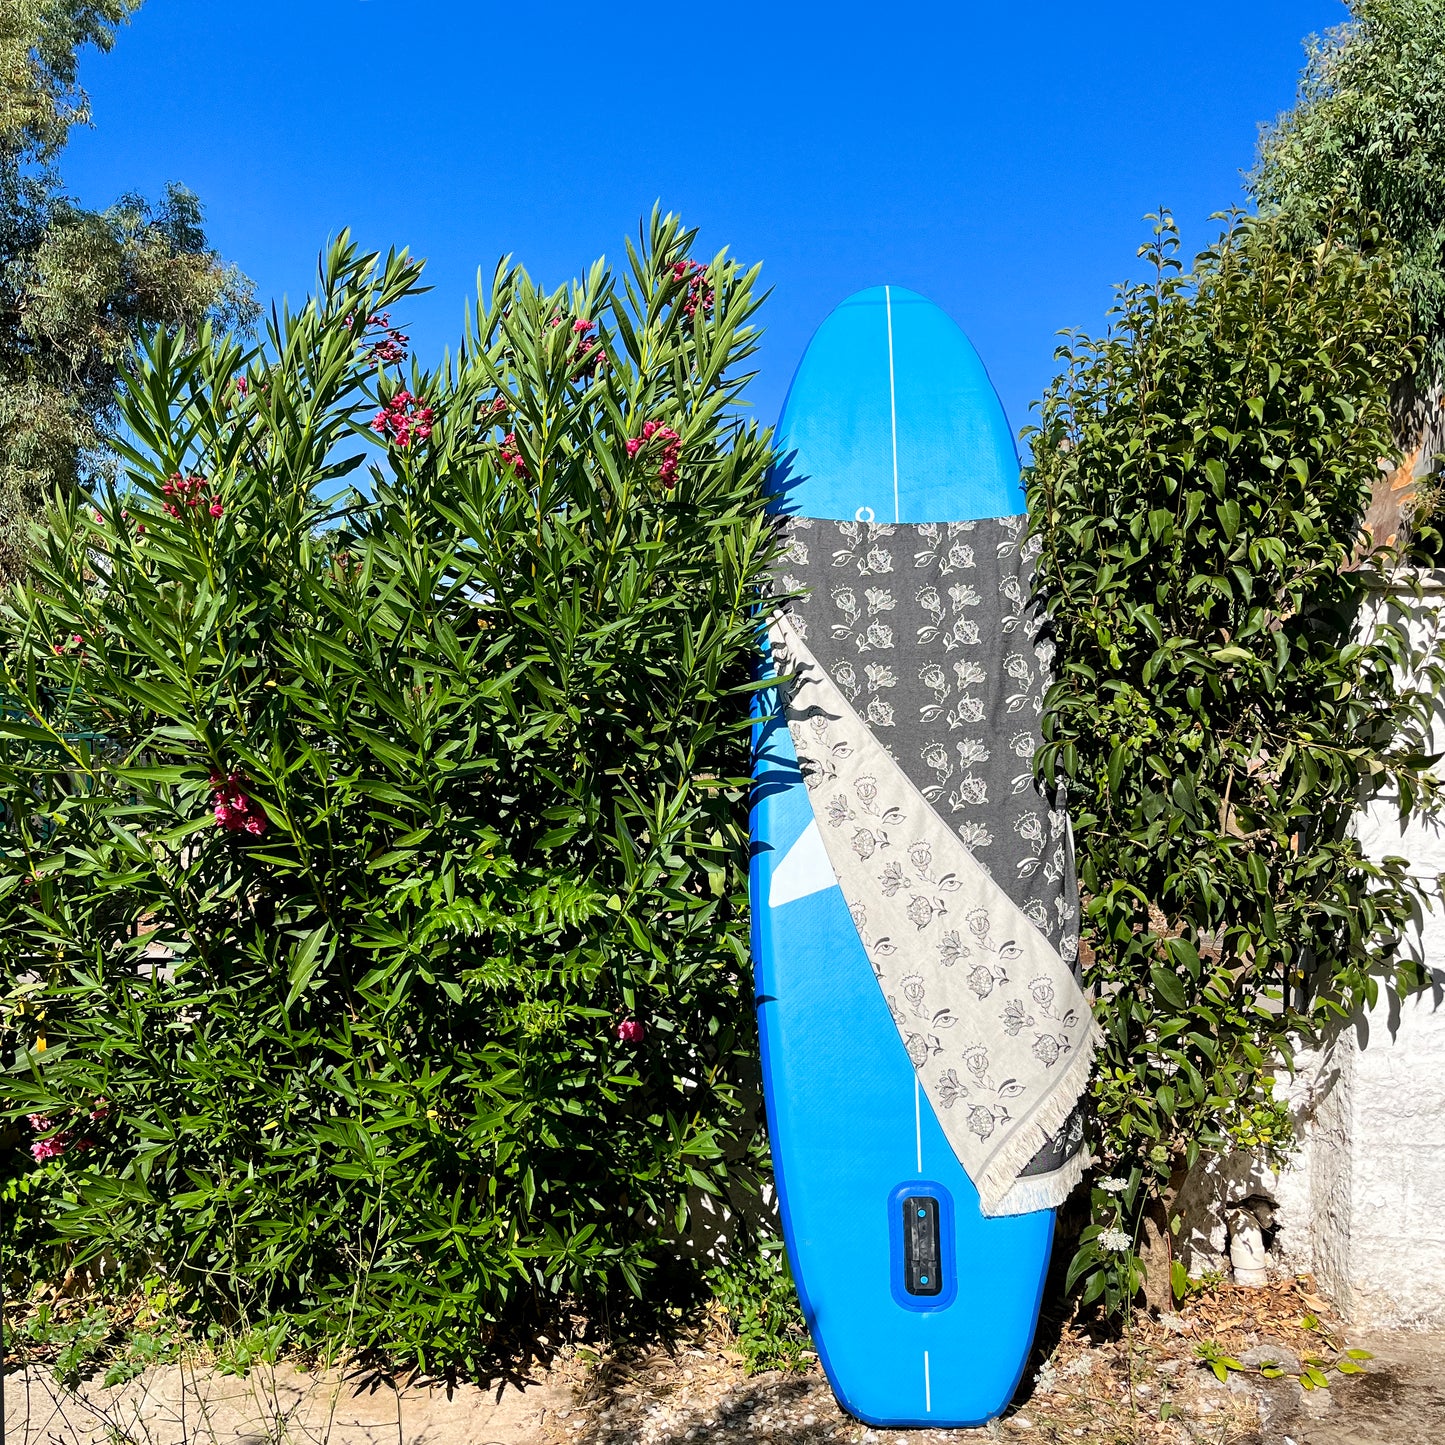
892	395
918	1120
927	1388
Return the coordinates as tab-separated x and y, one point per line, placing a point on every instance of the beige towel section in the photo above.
991	1017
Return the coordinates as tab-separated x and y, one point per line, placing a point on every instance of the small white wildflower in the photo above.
1113	1186
1114	1241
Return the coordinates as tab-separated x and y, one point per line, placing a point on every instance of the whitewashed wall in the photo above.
1362	1204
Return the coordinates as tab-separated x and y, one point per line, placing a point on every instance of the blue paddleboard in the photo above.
891	417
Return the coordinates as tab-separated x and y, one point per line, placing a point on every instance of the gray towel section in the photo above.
931	633
920	669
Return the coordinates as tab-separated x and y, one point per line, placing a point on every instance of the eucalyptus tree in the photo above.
77	286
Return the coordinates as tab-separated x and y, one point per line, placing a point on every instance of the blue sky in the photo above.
998	159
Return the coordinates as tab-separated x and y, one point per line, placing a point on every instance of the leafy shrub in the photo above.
74	1347
143	1349
374	868
755	1292
1227	690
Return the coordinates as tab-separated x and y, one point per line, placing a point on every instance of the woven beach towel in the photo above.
915	666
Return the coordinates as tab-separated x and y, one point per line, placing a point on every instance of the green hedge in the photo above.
1232	681
431	792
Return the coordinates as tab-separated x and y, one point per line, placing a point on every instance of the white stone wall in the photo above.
1362	1204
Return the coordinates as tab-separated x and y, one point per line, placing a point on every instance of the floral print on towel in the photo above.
957	871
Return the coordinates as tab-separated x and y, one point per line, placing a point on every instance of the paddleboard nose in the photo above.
890	410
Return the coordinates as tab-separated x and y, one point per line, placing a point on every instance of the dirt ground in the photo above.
1150	1386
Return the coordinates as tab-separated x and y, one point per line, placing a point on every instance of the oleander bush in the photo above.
373	865
1233	678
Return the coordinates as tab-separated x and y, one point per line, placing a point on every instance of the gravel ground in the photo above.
1151	1386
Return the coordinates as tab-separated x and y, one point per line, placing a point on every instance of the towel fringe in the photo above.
1043	1191
1000	1182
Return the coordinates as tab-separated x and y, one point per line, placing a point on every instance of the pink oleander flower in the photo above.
52	1148
699	293
217	509
401	420
511	456
233	808
629	1031
391	349
588	355
671	449
189	491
